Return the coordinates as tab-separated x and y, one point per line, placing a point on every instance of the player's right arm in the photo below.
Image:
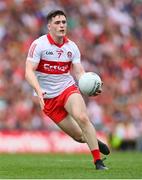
32	80
30	67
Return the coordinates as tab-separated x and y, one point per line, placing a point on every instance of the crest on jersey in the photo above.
69	54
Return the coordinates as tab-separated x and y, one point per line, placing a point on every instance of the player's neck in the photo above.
57	40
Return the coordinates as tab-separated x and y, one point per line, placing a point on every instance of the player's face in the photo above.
58	26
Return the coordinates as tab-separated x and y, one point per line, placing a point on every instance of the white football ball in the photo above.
89	82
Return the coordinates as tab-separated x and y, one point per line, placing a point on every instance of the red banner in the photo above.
39	142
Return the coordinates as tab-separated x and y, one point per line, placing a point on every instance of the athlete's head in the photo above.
57	23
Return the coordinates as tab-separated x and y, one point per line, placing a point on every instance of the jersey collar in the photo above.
51	40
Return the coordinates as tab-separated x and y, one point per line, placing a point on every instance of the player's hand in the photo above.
41	100
98	90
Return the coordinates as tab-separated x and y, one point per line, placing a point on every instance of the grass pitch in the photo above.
122	165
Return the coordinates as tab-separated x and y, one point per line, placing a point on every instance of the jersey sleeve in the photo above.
34	53
77	56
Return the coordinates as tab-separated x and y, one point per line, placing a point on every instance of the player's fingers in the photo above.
41	101
42	104
98	91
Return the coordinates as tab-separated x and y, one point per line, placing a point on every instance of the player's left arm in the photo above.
78	70
77	67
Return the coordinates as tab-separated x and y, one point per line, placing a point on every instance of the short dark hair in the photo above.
54	13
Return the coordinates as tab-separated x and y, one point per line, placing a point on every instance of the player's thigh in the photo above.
70	126
75	106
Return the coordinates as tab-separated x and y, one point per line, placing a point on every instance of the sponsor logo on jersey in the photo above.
49	52
53	67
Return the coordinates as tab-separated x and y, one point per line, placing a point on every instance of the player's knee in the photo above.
83	119
79	138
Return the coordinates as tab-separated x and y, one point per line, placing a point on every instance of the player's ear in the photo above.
48	26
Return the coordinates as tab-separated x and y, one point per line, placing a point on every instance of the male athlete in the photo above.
48	66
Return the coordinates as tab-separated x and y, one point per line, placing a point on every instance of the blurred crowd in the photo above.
109	36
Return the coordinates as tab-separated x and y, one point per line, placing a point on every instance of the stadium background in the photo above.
108	33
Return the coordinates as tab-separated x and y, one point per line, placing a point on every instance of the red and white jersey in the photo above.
54	63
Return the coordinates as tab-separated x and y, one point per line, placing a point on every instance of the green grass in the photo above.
123	165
